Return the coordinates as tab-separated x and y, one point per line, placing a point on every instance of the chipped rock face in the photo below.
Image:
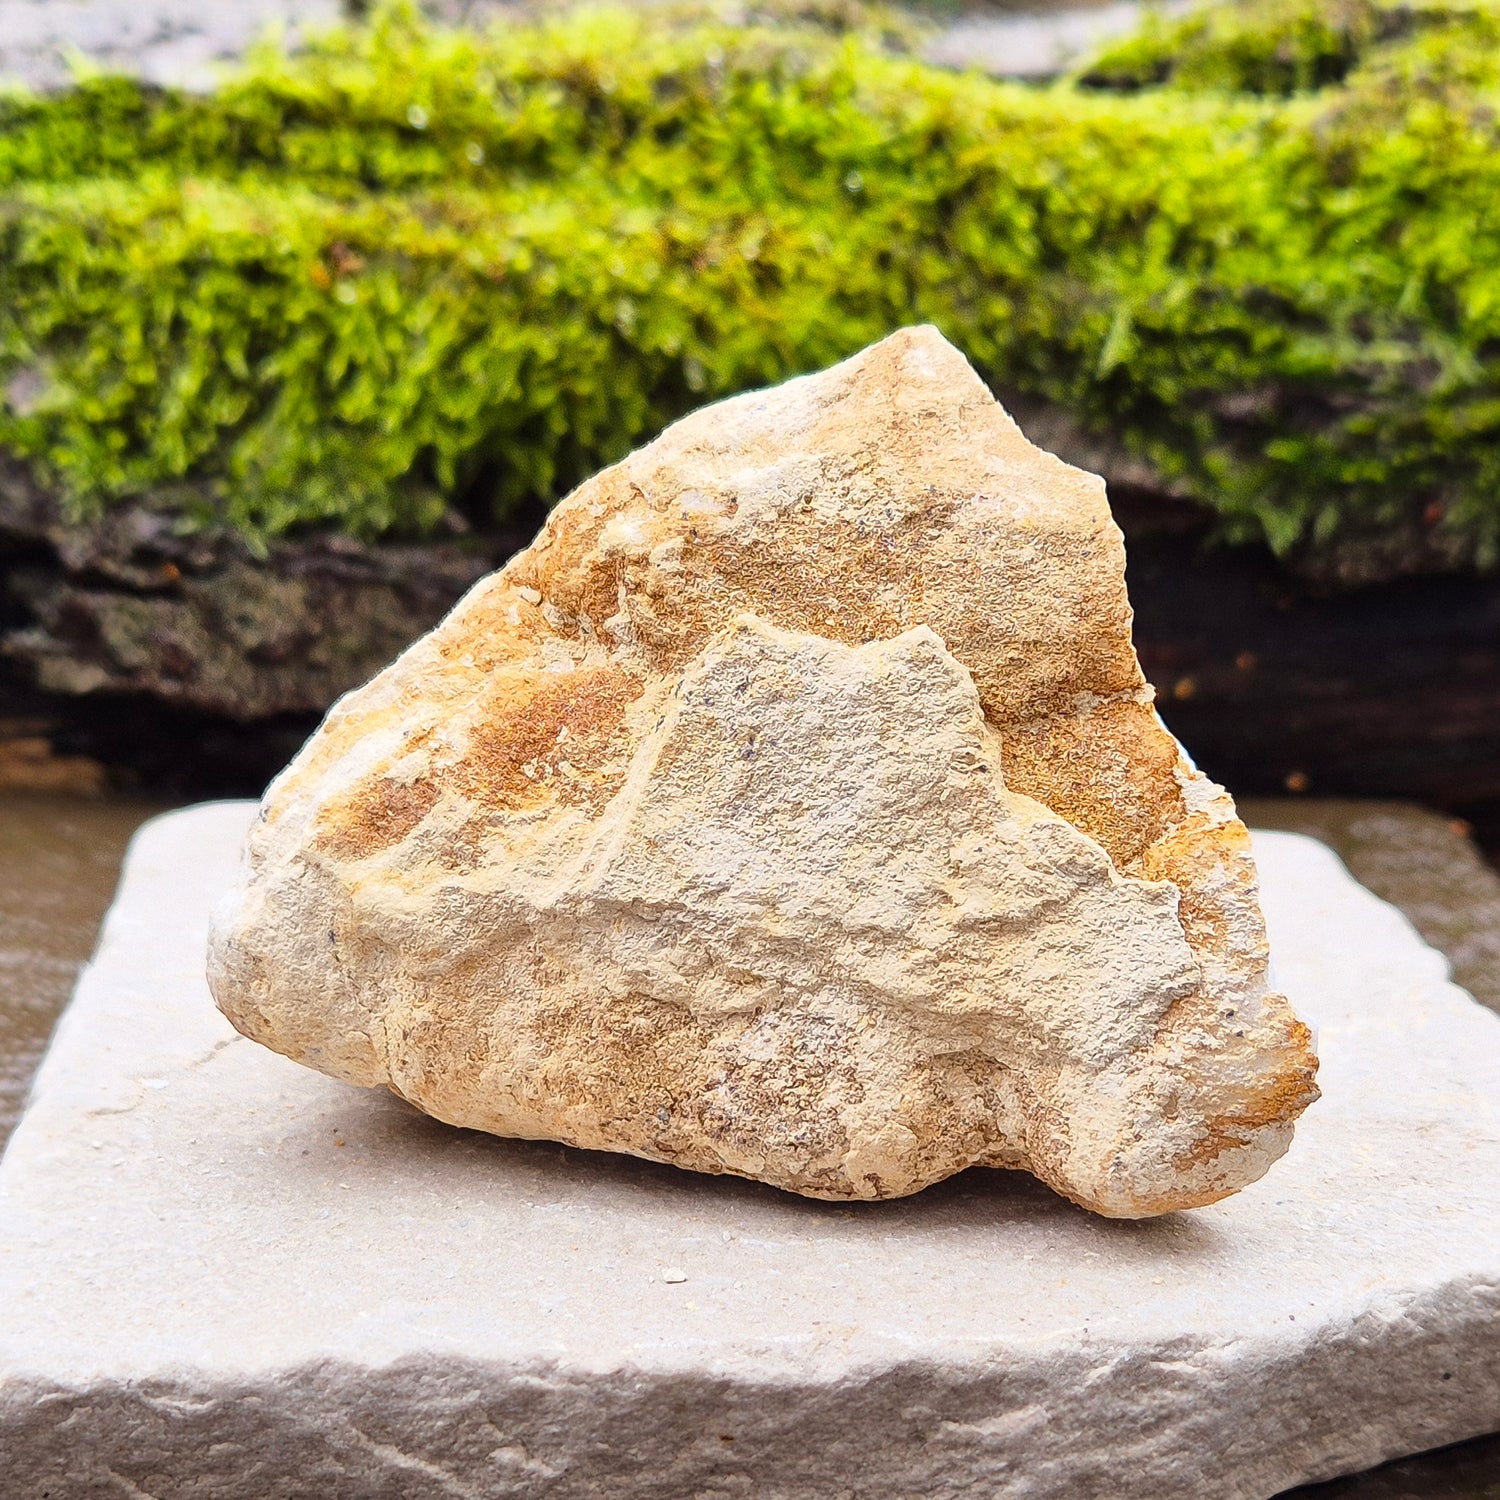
795	807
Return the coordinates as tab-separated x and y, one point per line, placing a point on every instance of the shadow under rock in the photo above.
392	1140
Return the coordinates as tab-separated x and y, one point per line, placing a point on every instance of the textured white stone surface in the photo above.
224	1275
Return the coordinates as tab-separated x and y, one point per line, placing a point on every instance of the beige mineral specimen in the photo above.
795	807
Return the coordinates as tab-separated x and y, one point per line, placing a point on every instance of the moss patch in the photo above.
411	266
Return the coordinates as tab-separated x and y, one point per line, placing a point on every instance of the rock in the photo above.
794	807
177	43
130	604
1037	46
225	1275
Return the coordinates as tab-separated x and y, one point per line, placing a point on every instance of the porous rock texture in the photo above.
795	807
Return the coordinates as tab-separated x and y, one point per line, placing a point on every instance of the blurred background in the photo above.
308	312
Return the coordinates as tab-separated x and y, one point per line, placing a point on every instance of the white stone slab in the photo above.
223	1275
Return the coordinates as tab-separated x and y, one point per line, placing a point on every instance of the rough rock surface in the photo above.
127	605
224	1275
794	806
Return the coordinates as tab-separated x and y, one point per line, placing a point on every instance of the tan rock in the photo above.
794	806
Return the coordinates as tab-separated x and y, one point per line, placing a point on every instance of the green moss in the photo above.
412	266
1282	47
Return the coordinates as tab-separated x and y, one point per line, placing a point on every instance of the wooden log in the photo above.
1391	690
